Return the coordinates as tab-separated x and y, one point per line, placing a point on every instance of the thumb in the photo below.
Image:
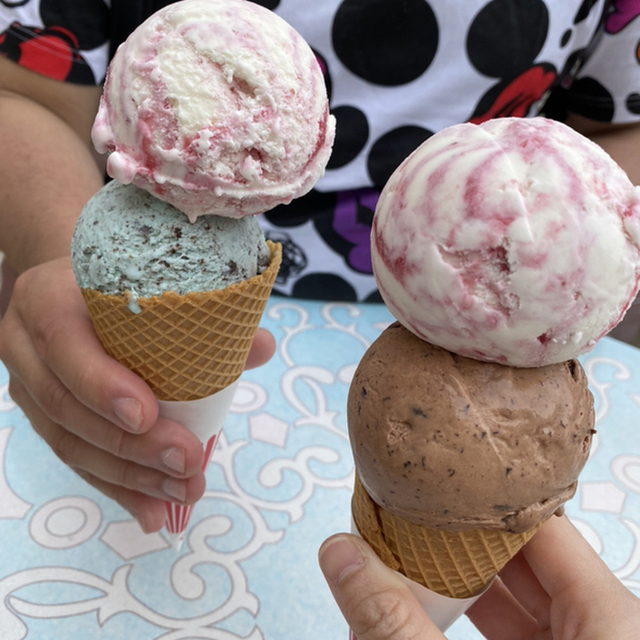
374	600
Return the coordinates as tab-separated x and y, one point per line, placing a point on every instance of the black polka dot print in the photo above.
328	286
85	19
325	72
352	133
298	211
385	42
268	4
395	71
598	104
391	149
506	36
584	11
633	103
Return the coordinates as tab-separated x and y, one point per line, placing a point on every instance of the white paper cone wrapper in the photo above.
442	610
204	418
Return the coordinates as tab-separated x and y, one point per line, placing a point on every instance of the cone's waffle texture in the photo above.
185	346
458	564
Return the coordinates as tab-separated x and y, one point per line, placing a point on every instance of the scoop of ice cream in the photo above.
126	240
217	107
516	241
450	442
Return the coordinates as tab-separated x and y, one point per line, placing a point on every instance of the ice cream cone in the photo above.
456	564
186	347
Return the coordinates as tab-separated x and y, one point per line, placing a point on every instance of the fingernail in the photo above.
174	458
339	558
175	489
129	410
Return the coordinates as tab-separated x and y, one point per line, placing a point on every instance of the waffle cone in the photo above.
457	564
187	346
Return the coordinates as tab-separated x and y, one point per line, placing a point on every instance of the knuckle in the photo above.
132	476
118	443
65	446
84	377
45	333
383	615
54	398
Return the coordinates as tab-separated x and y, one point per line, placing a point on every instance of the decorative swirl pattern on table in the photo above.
282	480
279	483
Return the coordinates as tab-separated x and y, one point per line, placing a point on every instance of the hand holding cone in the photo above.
458	462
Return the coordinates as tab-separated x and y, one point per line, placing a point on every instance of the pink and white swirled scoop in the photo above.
516	241
216	107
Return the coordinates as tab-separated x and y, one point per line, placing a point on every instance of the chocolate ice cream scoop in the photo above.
449	442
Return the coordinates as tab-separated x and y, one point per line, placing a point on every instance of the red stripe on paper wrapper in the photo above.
178	515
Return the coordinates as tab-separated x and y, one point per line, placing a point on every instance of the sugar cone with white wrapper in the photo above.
190	349
443	610
459	462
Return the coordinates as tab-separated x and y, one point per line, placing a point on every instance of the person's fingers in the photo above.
557	587
499	616
56	320
521	581
82	456
375	602
555	567
78	454
262	349
588	601
148	511
168	447
85	405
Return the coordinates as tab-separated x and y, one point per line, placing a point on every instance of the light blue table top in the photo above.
75	565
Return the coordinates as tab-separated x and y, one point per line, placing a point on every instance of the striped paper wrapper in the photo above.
204	418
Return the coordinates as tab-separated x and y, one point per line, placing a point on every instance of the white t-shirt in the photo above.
396	72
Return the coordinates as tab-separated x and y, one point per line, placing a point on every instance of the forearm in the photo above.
47	167
47	174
